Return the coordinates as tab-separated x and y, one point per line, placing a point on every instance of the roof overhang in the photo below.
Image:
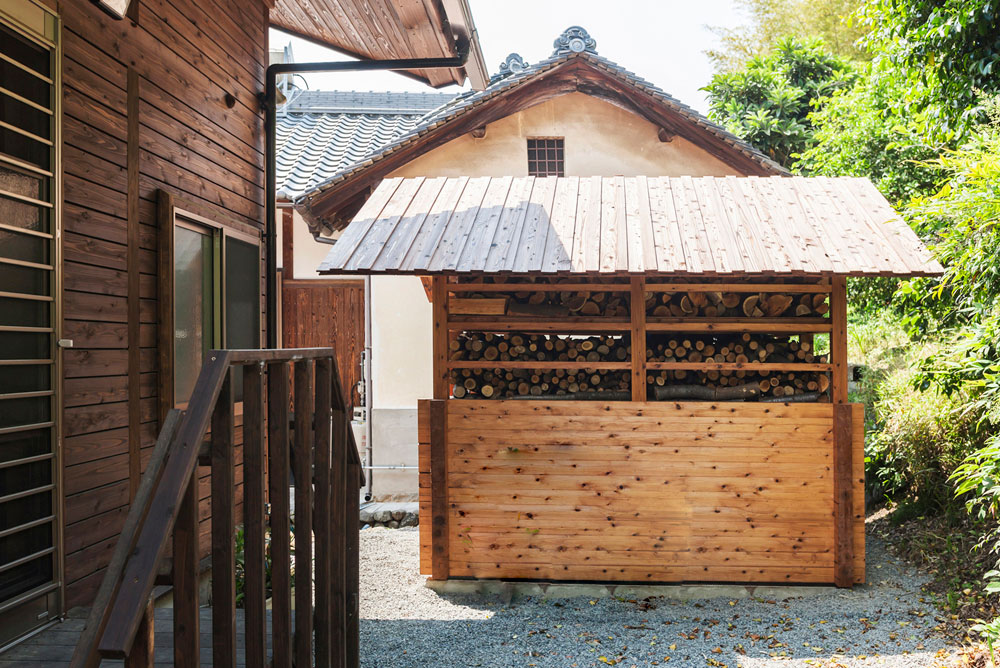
609	226
578	72
393	29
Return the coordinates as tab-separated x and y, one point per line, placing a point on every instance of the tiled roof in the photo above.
323	132
515	72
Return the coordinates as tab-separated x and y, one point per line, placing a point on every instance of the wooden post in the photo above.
352	566
439	295
321	515
304	398
638	334
843	479
843	504
187	640
255	602
144	644
277	451
439	490
223	528
341	523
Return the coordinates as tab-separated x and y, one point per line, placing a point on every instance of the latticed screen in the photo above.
545	157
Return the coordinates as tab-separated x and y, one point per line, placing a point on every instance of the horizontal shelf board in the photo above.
524	364
773	325
493	324
538	287
738	366
736	287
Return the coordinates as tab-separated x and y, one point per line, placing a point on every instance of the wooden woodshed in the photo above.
638	379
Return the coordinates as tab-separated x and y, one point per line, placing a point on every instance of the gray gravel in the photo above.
884	623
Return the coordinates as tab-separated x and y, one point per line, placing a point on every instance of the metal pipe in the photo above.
391	467
369	398
462	46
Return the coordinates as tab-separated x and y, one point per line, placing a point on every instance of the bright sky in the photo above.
663	41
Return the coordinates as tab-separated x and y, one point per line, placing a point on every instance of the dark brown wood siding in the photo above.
327	314
172	70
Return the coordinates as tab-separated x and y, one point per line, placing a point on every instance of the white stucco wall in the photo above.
601	139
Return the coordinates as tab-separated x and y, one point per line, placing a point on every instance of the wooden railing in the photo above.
324	628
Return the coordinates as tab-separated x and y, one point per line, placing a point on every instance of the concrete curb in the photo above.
513	590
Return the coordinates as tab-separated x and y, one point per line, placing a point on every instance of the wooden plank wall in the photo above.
651	492
327	314
173	68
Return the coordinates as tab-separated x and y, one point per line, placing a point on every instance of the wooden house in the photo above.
638	379
575	113
132	228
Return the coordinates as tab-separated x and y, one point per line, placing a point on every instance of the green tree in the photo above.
768	21
949	49
866	130
768	102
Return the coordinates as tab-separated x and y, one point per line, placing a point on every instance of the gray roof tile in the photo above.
513	73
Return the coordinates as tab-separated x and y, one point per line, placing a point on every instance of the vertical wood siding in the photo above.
327	314
185	56
654	492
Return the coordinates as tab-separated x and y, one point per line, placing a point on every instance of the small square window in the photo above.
545	156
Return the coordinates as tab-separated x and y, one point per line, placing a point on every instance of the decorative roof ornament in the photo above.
574	40
513	64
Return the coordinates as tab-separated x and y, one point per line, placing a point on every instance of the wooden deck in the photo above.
54	646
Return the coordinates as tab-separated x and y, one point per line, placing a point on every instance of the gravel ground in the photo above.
884	623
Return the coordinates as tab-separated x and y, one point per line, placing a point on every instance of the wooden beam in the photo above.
439	297
439	490
838	340
843	496
223	486
637	309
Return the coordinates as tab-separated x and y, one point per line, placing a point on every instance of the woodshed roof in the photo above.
629	225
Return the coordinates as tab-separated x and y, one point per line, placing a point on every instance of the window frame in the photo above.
174	212
559	161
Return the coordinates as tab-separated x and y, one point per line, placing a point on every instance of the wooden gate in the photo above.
327	314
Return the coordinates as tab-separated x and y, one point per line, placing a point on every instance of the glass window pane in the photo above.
25	577
21	478
26	509
25	280
24	378
24	444
16	412
24	346
194	307
242	294
23	312
22	247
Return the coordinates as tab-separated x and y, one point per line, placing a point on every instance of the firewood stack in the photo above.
730	384
516	383
543	304
473	346
734	304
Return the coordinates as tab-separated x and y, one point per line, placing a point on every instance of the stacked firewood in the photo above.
741	383
560	383
567	383
734	304
473	346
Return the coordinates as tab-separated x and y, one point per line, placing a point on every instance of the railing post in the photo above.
321	517
223	529
340	524
187	643
281	560
352	561
304	399
143	646
255	599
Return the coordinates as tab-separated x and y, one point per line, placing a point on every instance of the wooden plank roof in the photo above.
389	30
706	226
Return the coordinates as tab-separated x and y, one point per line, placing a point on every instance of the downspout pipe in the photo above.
269	101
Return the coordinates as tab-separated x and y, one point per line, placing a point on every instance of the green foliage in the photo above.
768	102
864	130
771	20
951	48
